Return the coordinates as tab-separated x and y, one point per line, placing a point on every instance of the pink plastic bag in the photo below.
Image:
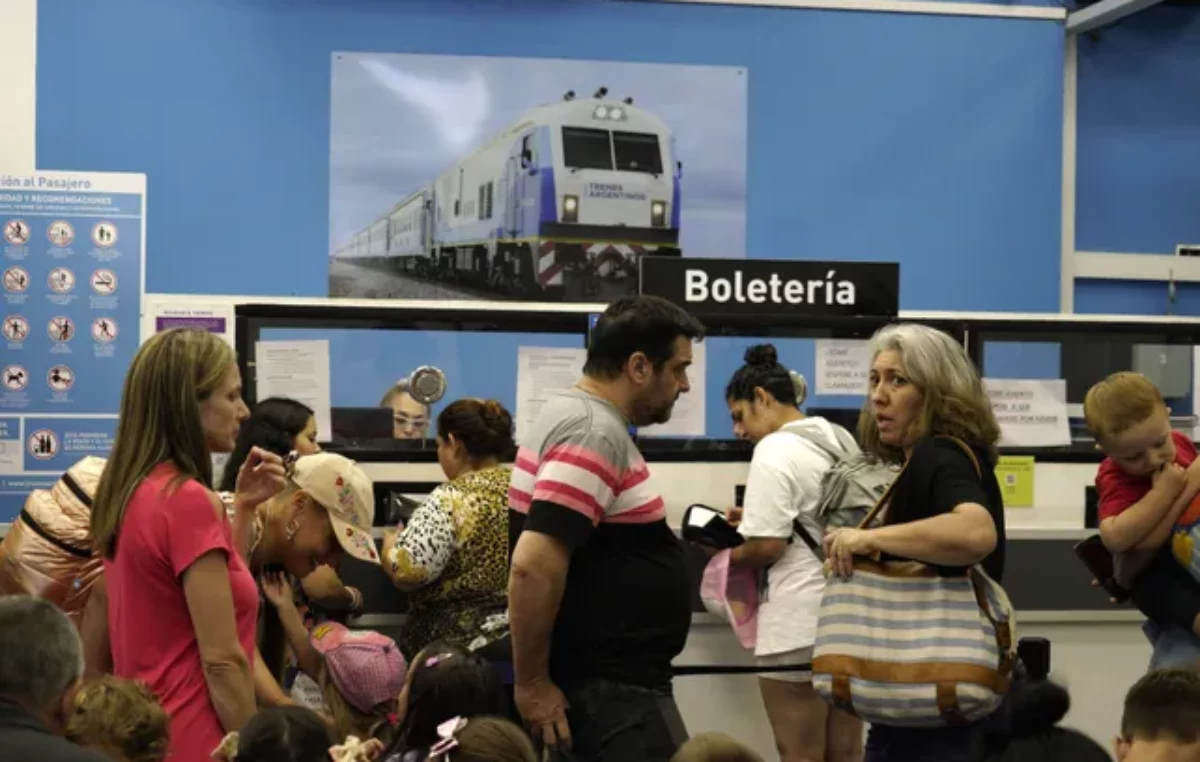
732	593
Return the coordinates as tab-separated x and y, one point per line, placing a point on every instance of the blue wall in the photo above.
924	139
929	140
1138	179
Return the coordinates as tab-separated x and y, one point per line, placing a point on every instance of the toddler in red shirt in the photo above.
1148	484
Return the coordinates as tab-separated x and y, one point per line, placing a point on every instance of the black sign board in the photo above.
774	286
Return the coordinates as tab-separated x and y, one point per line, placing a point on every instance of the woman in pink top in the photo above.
181	603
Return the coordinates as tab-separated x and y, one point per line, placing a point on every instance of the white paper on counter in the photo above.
842	366
542	371
688	418
299	370
1031	412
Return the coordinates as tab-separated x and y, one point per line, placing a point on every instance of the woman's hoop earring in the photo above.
293	526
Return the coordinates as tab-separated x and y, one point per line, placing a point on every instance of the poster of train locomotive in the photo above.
466	177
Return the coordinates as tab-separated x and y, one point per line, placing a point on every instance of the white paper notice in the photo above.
296	369
688	418
12	454
1031	413
542	371
843	366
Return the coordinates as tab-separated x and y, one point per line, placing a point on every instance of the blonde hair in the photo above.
490	739
954	404
348	720
714	747
171	374
400	387
1120	402
122	717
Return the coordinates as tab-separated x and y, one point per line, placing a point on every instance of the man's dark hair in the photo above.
646	324
1163	706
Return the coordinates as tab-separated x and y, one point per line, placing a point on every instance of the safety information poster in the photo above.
74	257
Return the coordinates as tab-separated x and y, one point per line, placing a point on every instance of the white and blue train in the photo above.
572	193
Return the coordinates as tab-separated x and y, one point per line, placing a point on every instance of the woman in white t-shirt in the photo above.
784	485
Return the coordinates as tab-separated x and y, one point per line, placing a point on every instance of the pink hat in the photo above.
367	668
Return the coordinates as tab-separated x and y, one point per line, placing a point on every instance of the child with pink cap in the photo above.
361	672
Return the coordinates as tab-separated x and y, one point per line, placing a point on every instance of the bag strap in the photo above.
812	544
968	450
883	500
836	455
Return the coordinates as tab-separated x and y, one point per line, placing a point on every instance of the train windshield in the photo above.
587	149
637	152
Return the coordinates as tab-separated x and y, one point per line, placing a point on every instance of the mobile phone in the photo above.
1099	562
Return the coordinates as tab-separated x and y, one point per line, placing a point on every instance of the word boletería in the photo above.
700	287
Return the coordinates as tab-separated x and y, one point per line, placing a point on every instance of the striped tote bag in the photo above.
898	644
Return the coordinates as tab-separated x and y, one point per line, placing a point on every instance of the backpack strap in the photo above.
835	452
836	455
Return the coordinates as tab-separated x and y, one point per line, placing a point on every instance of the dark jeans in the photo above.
1166	592
615	722
951	744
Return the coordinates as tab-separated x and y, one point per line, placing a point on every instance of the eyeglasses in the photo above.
404	420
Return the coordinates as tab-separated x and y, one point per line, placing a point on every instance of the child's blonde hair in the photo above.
1120	402
120	717
714	747
489	739
348	720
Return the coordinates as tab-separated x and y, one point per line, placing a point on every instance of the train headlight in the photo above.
658	214
614	113
570	211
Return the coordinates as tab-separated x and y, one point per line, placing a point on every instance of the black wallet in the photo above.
707	526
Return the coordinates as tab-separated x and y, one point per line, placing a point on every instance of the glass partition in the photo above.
371	349
1081	353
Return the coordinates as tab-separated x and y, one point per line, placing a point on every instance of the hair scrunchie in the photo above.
800	384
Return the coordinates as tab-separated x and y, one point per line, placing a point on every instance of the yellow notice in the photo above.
1015	474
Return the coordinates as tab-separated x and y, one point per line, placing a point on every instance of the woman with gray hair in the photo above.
924	391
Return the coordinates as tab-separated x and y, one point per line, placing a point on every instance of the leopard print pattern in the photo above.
471	532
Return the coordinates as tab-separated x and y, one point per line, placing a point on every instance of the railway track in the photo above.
351	280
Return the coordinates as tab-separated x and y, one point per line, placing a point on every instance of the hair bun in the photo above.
498	421
762	354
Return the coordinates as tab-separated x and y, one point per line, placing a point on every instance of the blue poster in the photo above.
73	261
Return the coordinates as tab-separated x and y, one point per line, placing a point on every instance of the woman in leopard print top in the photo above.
452	557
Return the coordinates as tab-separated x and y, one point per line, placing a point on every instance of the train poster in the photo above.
467	177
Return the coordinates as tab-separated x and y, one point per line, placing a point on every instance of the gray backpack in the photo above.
850	488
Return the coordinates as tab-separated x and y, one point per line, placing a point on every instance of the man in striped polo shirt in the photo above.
598	593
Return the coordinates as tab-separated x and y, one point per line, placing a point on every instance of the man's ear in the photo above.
1121	748
66	706
639	367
